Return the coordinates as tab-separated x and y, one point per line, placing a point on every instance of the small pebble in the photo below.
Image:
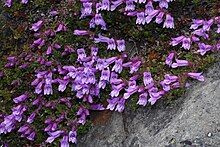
209	134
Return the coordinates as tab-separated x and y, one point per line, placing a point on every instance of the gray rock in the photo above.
192	120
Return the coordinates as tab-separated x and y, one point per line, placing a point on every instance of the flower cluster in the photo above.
90	75
143	16
200	32
8	3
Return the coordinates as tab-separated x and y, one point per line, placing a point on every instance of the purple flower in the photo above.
80	32
20	98
114	79
48	89
148	80
141	1
166	87
120	105
197	76
140	18
64	142
8	3
116	89
97	107
31	136
112	103
180	63
149	7
151	16
186	43
218	30
168	23
177	40
163	4
120	45
118	66
98	19
101	64
31	118
111	44
72	136
82	113
53	135
63	83
87	9
132	88
36	26
38	43
196	23
203	48
105	75
54	13
105	5
24	1
154	95
81	54
169	59
142	99
170	79
61	27
94	51
207	24
159	18
134	65
115	4
129	5
201	33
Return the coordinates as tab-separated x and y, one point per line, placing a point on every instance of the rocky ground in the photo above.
192	120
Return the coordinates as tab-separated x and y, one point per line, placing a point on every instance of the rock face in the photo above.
192	120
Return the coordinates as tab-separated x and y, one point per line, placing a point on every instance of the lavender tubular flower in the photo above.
105	5
129	5
72	136
24	1
159	18
20	98
142	99
196	23
169	59
149	7
118	66
98	20
186	43
80	32
148	80
151	16
169	22
120	45
203	48
163	4
64	142
120	105
36	26
132	88
112	103
180	63
115	4
207	24
140	18
53	136
8	3
197	76
87	9
177	40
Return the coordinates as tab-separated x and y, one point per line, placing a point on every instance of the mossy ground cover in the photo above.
150	42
